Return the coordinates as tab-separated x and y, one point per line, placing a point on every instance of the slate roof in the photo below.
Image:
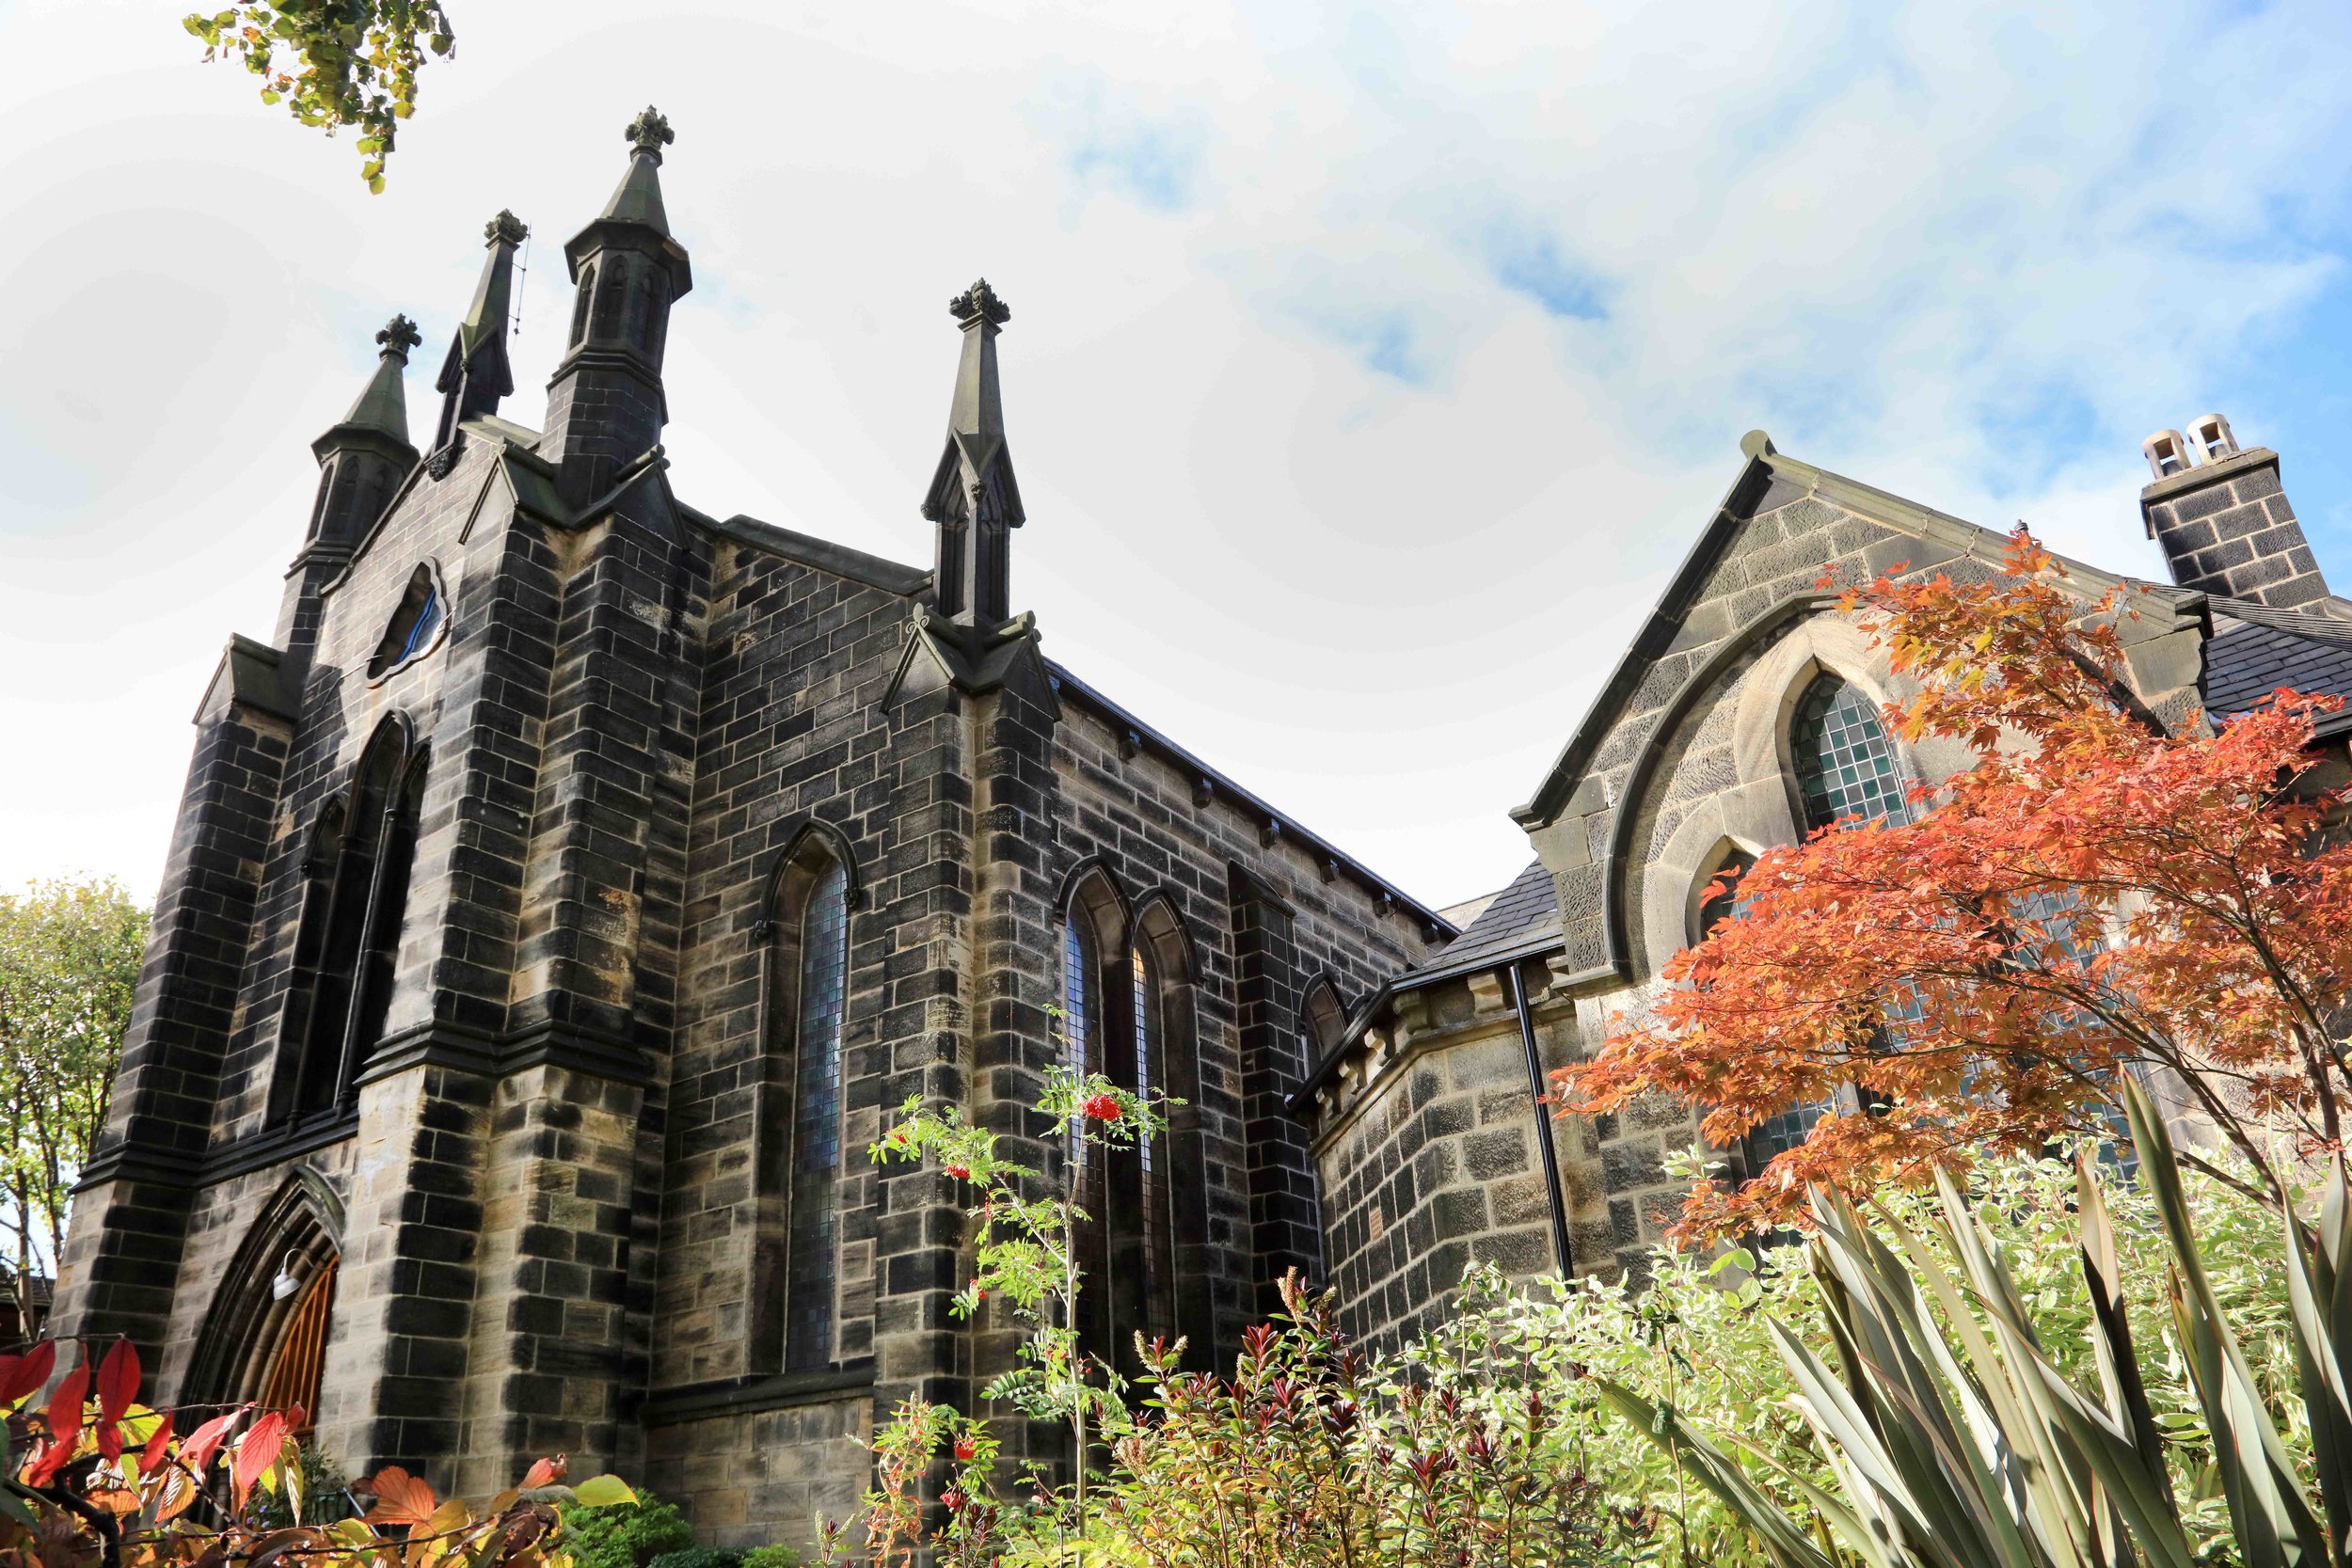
1522	915
2256	649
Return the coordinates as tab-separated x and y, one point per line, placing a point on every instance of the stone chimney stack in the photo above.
2223	520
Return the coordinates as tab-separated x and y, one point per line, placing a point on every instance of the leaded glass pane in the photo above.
1845	764
817	1122
1074	988
1149	1155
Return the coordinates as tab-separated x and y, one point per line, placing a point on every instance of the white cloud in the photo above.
1368	370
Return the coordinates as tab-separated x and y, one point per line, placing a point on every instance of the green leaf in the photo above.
598	1491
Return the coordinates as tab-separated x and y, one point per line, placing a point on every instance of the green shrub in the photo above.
771	1557
699	1556
625	1535
1695	1339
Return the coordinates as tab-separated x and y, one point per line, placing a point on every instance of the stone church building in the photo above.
564	896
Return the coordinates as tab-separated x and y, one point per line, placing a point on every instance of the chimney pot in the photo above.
2167	452
2210	434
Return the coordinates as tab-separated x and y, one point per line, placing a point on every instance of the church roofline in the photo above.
1144	737
874	571
1765	463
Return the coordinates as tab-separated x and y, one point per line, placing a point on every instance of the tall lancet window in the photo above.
808	1335
1144	1235
1079	1011
347	943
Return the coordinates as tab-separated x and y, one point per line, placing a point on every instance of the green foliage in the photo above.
1311	1454
773	1556
623	1535
1956	1429
1697	1340
334	63
1023	1254
705	1557
69	964
321	1486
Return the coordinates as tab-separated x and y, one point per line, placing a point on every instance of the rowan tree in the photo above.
2095	894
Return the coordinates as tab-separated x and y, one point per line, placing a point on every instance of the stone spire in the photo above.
475	374
383	407
363	459
606	406
974	501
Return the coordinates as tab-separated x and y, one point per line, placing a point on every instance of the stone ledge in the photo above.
746	1396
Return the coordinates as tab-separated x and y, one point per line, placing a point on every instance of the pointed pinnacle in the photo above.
650	132
980	302
398	337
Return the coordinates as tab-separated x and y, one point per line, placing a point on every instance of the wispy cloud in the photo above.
1370	364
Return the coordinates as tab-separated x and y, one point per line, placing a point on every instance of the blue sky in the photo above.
1370	366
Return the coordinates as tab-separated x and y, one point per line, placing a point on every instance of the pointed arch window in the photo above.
1845	764
586	292
1142	1232
1321	1021
1846	770
1719	890
347	939
814	1201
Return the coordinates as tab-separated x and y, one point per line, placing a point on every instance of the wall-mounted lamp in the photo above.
285	1284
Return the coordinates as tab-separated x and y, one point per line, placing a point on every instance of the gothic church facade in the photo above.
563	897
564	894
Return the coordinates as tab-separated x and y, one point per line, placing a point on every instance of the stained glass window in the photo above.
1845	764
428	622
1076	989
817	1121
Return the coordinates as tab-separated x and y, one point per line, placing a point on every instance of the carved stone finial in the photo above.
398	337
505	228
650	132
980	302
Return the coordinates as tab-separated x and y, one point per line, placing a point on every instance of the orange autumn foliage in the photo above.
2093	896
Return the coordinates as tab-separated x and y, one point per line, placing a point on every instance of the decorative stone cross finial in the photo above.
505	228
980	302
651	132
398	337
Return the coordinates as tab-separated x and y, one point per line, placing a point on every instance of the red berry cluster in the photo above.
1102	1107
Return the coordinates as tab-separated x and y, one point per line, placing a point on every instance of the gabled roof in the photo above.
1766	468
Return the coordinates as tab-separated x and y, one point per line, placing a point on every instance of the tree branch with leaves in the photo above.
2094	897
335	64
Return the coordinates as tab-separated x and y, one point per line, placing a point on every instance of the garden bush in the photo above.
773	1556
1694	1338
700	1557
629	1535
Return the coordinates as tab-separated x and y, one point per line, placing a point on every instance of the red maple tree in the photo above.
2093	896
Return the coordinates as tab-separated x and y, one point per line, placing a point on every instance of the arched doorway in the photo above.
266	1338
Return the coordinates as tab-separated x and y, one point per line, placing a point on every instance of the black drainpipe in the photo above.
1560	1246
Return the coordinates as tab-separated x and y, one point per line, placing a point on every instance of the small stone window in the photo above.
1719	893
416	625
